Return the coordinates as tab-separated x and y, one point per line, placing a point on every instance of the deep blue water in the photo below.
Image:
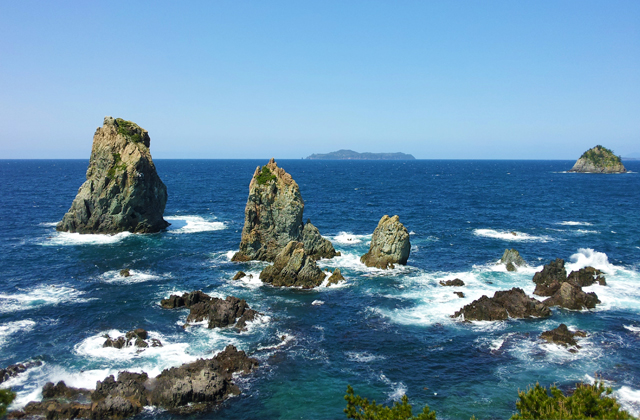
384	332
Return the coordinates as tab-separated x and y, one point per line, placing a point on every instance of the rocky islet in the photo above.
390	244
599	160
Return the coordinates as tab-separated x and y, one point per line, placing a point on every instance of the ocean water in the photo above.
387	333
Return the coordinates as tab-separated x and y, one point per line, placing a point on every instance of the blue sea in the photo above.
386	333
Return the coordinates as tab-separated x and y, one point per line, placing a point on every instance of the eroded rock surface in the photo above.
218	313
389	244
293	267
123	191
570	296
561	335
192	387
315	245
505	304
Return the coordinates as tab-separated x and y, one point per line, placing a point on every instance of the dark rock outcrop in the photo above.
389	244
239	275
505	304
599	160
548	280
293	267
122	192
315	245
273	218
133	338
219	313
586	277
14	370
459	294
454	282
125	273
335	277
511	259
561	335
192	387
570	296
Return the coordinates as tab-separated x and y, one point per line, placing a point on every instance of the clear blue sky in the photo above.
255	79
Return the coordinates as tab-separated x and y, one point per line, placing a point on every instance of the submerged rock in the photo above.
505	304
561	335
511	259
570	296
123	192
586	277
548	280
239	275
459	294
389	244
137	338
190	388
125	273
14	370
335	277
454	282
293	267
599	160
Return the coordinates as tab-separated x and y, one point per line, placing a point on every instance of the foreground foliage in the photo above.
6	397
361	409
586	402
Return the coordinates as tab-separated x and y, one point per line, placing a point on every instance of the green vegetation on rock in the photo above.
118	165
601	156
265	176
586	402
130	130
6	397
361	409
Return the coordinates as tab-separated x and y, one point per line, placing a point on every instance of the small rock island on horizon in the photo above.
345	154
599	160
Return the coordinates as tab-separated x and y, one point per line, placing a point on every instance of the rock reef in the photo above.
564	291
293	267
14	370
273	218
218	313
562	336
190	388
135	338
123	192
389	244
599	160
505	304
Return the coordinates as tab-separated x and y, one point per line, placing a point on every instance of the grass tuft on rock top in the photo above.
130	130
265	176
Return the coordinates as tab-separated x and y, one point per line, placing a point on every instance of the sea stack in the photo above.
389	244
599	160
123	192
273	218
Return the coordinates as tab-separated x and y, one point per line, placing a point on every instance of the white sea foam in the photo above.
348	238
38	297
135	277
633	329
629	399
398	389
250	281
584	231
317	303
10	328
49	224
192	224
572	223
363	357
509	235
66	238
587	257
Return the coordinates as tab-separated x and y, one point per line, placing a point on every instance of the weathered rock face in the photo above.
586	277
14	370
293	267
272	216
454	282
389	244
192	387
549	279
315	245
506	304
137	338
572	297
561	335
511	259
335	277
123	191
599	160
218	312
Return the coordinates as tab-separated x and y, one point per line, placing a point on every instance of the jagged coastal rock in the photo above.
504	304
511	259
190	388
586	277
135	338
570	296
273	218
335	277
562	336
293	267
122	192
564	291
599	160
549	279
454	282
14	370
219	313
389	244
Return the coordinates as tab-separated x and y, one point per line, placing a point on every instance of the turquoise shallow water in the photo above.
385	333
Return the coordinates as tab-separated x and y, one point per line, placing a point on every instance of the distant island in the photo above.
599	159
351	155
